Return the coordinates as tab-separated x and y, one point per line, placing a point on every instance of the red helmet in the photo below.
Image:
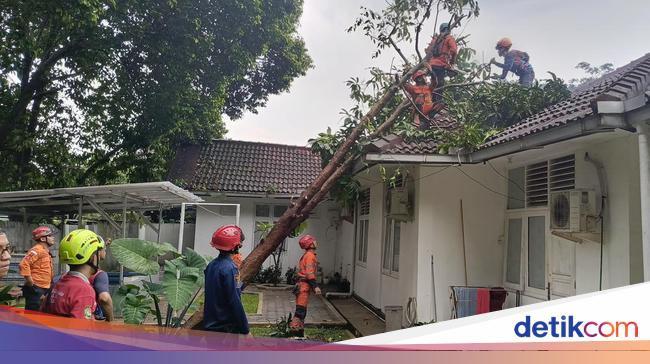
307	242
504	43
40	232
227	237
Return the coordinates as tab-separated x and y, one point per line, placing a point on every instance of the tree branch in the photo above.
418	29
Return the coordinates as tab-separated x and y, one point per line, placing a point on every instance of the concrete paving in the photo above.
362	319
279	303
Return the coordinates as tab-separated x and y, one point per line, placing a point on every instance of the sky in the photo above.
557	34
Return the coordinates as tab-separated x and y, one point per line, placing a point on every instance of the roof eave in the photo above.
597	123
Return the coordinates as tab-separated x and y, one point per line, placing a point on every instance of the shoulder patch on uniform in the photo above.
88	313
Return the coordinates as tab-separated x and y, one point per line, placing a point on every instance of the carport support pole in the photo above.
123	235
160	222
181	228
644	176
80	212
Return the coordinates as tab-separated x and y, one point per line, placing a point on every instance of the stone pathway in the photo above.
279	303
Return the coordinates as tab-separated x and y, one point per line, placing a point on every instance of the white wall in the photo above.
622	260
440	233
344	251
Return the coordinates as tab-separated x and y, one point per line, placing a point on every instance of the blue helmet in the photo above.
444	27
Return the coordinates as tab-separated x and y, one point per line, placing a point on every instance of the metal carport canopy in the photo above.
131	196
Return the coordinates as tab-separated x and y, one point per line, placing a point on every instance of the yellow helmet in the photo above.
79	246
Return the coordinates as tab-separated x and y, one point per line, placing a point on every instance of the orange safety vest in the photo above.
308	266
446	55
37	263
421	96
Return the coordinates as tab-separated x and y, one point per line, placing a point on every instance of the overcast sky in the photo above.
556	33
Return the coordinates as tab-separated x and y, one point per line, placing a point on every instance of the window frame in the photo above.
389	242
363	220
523	285
267	219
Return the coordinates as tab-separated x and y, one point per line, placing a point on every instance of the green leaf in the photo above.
194	259
5	297
179	284
136	255
136	308
164	248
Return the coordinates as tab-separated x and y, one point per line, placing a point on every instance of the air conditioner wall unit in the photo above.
399	203
574	211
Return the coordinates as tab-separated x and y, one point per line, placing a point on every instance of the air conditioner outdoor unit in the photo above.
574	211
400	206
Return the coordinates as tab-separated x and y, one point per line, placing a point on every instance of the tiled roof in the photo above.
616	85
393	144
245	167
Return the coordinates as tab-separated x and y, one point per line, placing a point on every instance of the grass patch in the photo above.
250	302
324	334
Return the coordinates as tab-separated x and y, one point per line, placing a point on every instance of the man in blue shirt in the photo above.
514	61
223	310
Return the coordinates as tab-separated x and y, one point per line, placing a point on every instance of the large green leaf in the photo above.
136	308
137	255
164	248
195	260
120	295
179	284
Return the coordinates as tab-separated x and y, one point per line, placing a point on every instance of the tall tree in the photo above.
98	91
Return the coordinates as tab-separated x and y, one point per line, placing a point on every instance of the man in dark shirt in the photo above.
223	310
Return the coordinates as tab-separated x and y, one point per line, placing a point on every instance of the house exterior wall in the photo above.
622	258
344	251
371	283
440	234
322	225
367	277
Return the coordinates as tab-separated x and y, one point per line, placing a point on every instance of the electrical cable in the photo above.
506	178
486	187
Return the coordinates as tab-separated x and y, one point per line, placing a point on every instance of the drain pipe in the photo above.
602	181
644	176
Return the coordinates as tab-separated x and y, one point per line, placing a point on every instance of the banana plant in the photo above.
182	281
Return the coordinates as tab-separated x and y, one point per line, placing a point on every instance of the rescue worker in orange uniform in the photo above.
36	267
307	268
421	94
444	57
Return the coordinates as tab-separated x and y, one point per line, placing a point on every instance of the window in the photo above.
525	263
267	214
390	263
530	186
363	224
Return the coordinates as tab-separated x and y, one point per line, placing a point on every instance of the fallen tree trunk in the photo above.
299	209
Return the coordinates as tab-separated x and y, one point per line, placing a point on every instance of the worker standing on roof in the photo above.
73	295
514	61
421	95
307	268
223	310
444	57
36	267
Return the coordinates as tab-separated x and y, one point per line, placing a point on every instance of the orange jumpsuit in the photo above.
306	277
307	268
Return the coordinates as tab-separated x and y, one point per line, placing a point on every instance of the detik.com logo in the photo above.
568	326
